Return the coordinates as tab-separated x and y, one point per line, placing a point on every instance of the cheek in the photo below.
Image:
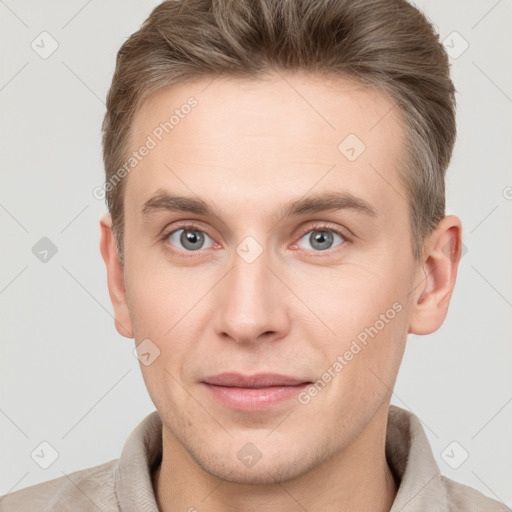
162	296
167	308
349	298
162	309
363	312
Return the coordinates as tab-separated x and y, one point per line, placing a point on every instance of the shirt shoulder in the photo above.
466	499
89	489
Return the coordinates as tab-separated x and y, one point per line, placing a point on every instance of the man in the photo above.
275	183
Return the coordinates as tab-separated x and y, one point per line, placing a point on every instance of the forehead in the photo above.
275	138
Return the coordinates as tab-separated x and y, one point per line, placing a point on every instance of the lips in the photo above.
253	393
259	380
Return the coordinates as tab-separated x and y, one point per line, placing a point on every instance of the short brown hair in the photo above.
386	44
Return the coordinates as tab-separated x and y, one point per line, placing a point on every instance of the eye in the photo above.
190	238
321	238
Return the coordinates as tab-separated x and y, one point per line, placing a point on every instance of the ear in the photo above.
436	276
115	278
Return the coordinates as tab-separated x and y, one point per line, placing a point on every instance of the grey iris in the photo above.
319	238
192	240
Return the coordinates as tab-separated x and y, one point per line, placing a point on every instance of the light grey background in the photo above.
69	379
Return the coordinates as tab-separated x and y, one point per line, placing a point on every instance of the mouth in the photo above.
258	380
253	392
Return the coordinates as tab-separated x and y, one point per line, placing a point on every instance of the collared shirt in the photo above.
125	484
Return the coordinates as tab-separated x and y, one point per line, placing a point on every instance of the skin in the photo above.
250	146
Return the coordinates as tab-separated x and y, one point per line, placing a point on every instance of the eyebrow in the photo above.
327	201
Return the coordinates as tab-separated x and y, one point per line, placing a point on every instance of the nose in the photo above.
251	302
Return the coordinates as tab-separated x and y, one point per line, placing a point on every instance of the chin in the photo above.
270	469
263	475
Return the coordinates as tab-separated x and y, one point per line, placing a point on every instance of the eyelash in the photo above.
316	227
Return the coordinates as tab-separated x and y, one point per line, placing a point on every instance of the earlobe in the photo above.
115	278
436	277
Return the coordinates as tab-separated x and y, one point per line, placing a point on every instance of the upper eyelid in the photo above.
321	226
185	226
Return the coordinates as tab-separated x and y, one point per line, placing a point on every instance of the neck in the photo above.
356	478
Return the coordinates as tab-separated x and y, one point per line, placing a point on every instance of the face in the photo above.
303	267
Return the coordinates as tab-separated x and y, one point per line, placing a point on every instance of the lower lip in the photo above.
254	399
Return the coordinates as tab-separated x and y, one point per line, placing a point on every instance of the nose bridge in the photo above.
250	304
